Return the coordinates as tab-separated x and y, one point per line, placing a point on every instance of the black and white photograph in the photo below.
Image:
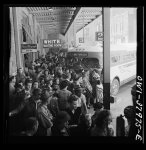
73	71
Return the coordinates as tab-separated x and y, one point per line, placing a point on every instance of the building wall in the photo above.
37	37
70	36
123	25
122	28
23	14
62	38
89	33
33	30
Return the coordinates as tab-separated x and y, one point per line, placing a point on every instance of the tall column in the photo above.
41	42
34	36
45	36
106	58
16	39
74	31
13	60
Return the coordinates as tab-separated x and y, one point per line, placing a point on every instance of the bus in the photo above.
122	65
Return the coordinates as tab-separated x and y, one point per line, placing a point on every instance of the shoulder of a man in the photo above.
83	97
40	109
69	92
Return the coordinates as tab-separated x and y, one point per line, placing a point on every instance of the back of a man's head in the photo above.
63	84
98	106
73	98
129	113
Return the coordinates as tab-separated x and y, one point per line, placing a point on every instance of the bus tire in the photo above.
115	87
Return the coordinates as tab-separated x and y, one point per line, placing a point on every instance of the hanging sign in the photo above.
27	48
52	43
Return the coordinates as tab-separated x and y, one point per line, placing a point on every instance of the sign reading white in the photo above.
52	43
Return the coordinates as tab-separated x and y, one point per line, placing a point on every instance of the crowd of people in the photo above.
52	99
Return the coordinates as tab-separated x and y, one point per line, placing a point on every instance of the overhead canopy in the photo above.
59	19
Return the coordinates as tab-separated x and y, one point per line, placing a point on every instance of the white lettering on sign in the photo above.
45	42
49	42
58	41
52	43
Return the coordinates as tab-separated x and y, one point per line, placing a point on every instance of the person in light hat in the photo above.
97	92
88	88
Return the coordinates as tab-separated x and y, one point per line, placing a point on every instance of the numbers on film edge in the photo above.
139	109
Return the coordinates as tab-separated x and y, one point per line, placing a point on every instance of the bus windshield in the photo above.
86	59
90	62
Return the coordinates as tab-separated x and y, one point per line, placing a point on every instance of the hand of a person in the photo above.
10	114
27	95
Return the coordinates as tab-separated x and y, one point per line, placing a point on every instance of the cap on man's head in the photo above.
97	105
73	98
78	88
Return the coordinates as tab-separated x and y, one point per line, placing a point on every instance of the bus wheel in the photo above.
115	87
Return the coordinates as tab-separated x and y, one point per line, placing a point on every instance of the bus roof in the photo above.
86	49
